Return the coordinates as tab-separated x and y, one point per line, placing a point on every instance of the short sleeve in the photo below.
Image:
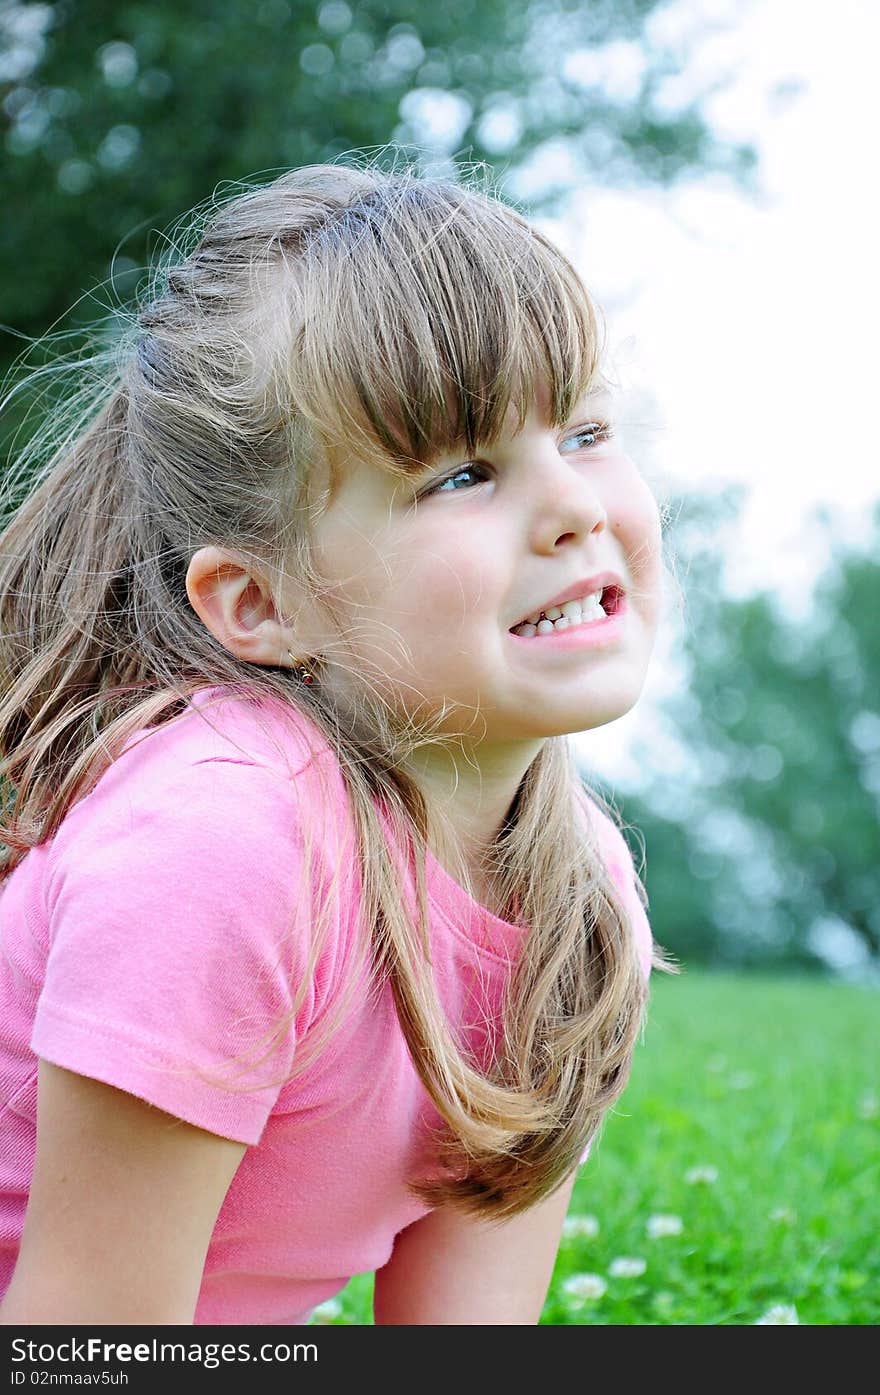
177	927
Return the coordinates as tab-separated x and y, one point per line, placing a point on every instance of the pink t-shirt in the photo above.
160	930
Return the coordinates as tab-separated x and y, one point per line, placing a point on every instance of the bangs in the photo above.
428	309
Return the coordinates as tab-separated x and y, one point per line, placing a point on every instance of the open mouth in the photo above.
598	606
610	599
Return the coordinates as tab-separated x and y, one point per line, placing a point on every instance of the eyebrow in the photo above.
601	390
598	399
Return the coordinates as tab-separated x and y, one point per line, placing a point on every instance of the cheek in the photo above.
635	522
437	576
417	587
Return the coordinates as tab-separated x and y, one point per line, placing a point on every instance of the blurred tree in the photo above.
770	856
120	117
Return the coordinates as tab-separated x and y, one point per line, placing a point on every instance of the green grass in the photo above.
774	1084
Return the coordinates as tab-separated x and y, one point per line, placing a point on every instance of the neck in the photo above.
469	795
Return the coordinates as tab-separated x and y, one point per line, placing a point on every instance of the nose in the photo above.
564	504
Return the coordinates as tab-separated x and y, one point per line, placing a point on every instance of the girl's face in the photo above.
431	574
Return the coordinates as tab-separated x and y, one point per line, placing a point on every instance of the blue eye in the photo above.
595	430
439	488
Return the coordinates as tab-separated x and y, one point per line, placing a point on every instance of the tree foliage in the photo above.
120	117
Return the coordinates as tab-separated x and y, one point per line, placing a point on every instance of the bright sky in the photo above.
747	328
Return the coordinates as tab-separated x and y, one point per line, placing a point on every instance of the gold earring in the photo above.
301	671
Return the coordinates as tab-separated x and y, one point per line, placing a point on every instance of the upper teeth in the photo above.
576	611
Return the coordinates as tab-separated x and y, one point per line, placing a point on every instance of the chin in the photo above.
600	713
546	725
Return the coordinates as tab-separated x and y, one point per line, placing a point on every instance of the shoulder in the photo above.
216	790
184	918
181	916
604	830
220	724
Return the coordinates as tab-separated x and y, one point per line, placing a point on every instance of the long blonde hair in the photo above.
340	308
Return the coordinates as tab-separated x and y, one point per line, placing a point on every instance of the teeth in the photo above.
561	617
575	610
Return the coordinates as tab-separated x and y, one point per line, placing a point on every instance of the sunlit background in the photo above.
711	170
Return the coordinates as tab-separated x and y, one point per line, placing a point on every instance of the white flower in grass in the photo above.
583	1286
327	1311
586	1226
782	1215
626	1268
705	1173
780	1315
663	1225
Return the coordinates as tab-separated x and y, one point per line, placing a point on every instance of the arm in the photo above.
122	1205
450	1268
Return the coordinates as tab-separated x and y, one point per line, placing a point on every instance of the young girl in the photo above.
317	956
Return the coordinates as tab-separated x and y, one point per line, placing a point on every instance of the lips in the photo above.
609	583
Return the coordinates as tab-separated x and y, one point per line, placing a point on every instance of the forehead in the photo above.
540	403
597	397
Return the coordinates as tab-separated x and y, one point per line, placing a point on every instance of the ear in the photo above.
235	603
